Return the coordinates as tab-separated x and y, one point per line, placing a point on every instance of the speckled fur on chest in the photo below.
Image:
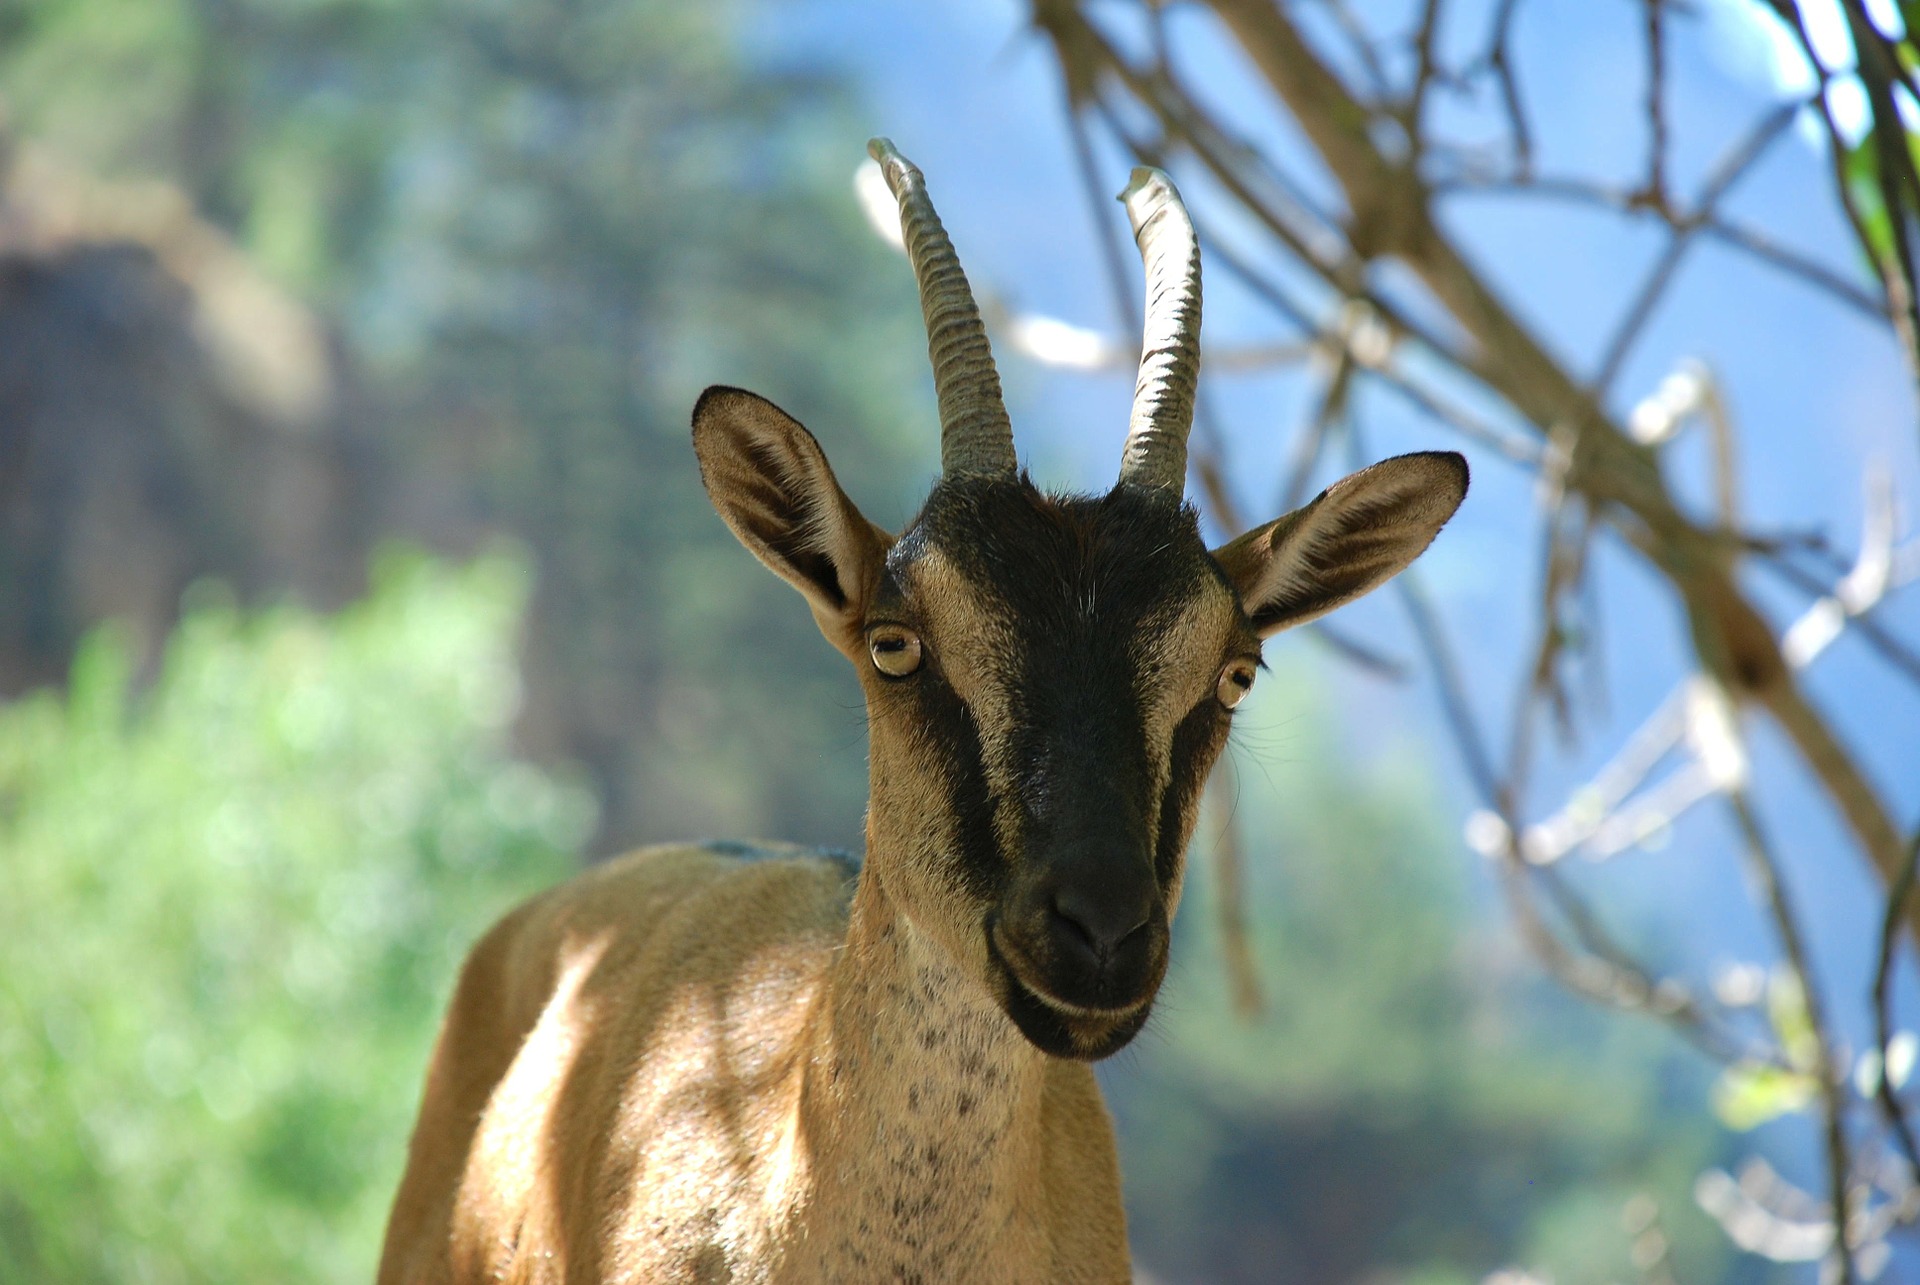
935	1188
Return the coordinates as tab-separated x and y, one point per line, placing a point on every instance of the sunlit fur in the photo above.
757	1064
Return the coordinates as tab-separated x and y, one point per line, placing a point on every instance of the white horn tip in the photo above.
1147	193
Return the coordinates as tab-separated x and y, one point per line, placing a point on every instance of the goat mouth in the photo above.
1077	1012
1060	1027
1015	961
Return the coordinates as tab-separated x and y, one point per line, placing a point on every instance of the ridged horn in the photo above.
1156	450
975	434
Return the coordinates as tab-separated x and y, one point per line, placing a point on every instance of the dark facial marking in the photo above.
947	729
1077	580
1081	591
1196	744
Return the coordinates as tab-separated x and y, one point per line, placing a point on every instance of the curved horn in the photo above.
975	434
1156	450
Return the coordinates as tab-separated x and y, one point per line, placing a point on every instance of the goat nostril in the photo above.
1075	928
1096	929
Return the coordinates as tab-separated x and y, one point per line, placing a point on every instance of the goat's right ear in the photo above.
770	481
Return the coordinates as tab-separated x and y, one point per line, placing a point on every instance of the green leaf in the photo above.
1751	1093
1792	1023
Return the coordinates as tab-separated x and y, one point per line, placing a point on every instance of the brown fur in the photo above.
824	1098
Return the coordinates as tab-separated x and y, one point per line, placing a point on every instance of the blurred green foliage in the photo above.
1415	1103
234	905
540	228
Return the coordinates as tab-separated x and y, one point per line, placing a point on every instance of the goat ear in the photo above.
1354	537
770	481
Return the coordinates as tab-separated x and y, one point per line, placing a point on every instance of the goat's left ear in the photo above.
1354	537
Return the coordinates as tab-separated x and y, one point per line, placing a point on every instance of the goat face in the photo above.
1064	666
1049	679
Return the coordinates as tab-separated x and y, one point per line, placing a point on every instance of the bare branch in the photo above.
1499	60
1230	911
1731	169
1890	1105
1602	971
1453	695
1362	46
1330	278
1768	251
1106	228
1328	410
1461	421
1764	1214
1390	215
1891	649
1426	69
1765	868
1656	189
1734	235
1877	569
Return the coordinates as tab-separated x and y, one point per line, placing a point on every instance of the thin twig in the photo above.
1764	248
1565	565
1453	693
1656	192
1499	58
1604	972
1507	445
1732	168
1729	633
1230	912
1765	869
1474	333
1328	410
1363	49
1891	649
1732	234
1106	228
1426	68
1890	1105
1318	245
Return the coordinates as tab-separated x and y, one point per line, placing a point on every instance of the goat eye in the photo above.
1236	680
895	651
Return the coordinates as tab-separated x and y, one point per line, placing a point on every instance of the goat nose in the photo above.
1097	925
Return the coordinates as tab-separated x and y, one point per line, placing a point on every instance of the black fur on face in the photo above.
1065	714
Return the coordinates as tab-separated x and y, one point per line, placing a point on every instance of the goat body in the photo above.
688	1066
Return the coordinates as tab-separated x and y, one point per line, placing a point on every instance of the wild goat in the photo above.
685	1066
